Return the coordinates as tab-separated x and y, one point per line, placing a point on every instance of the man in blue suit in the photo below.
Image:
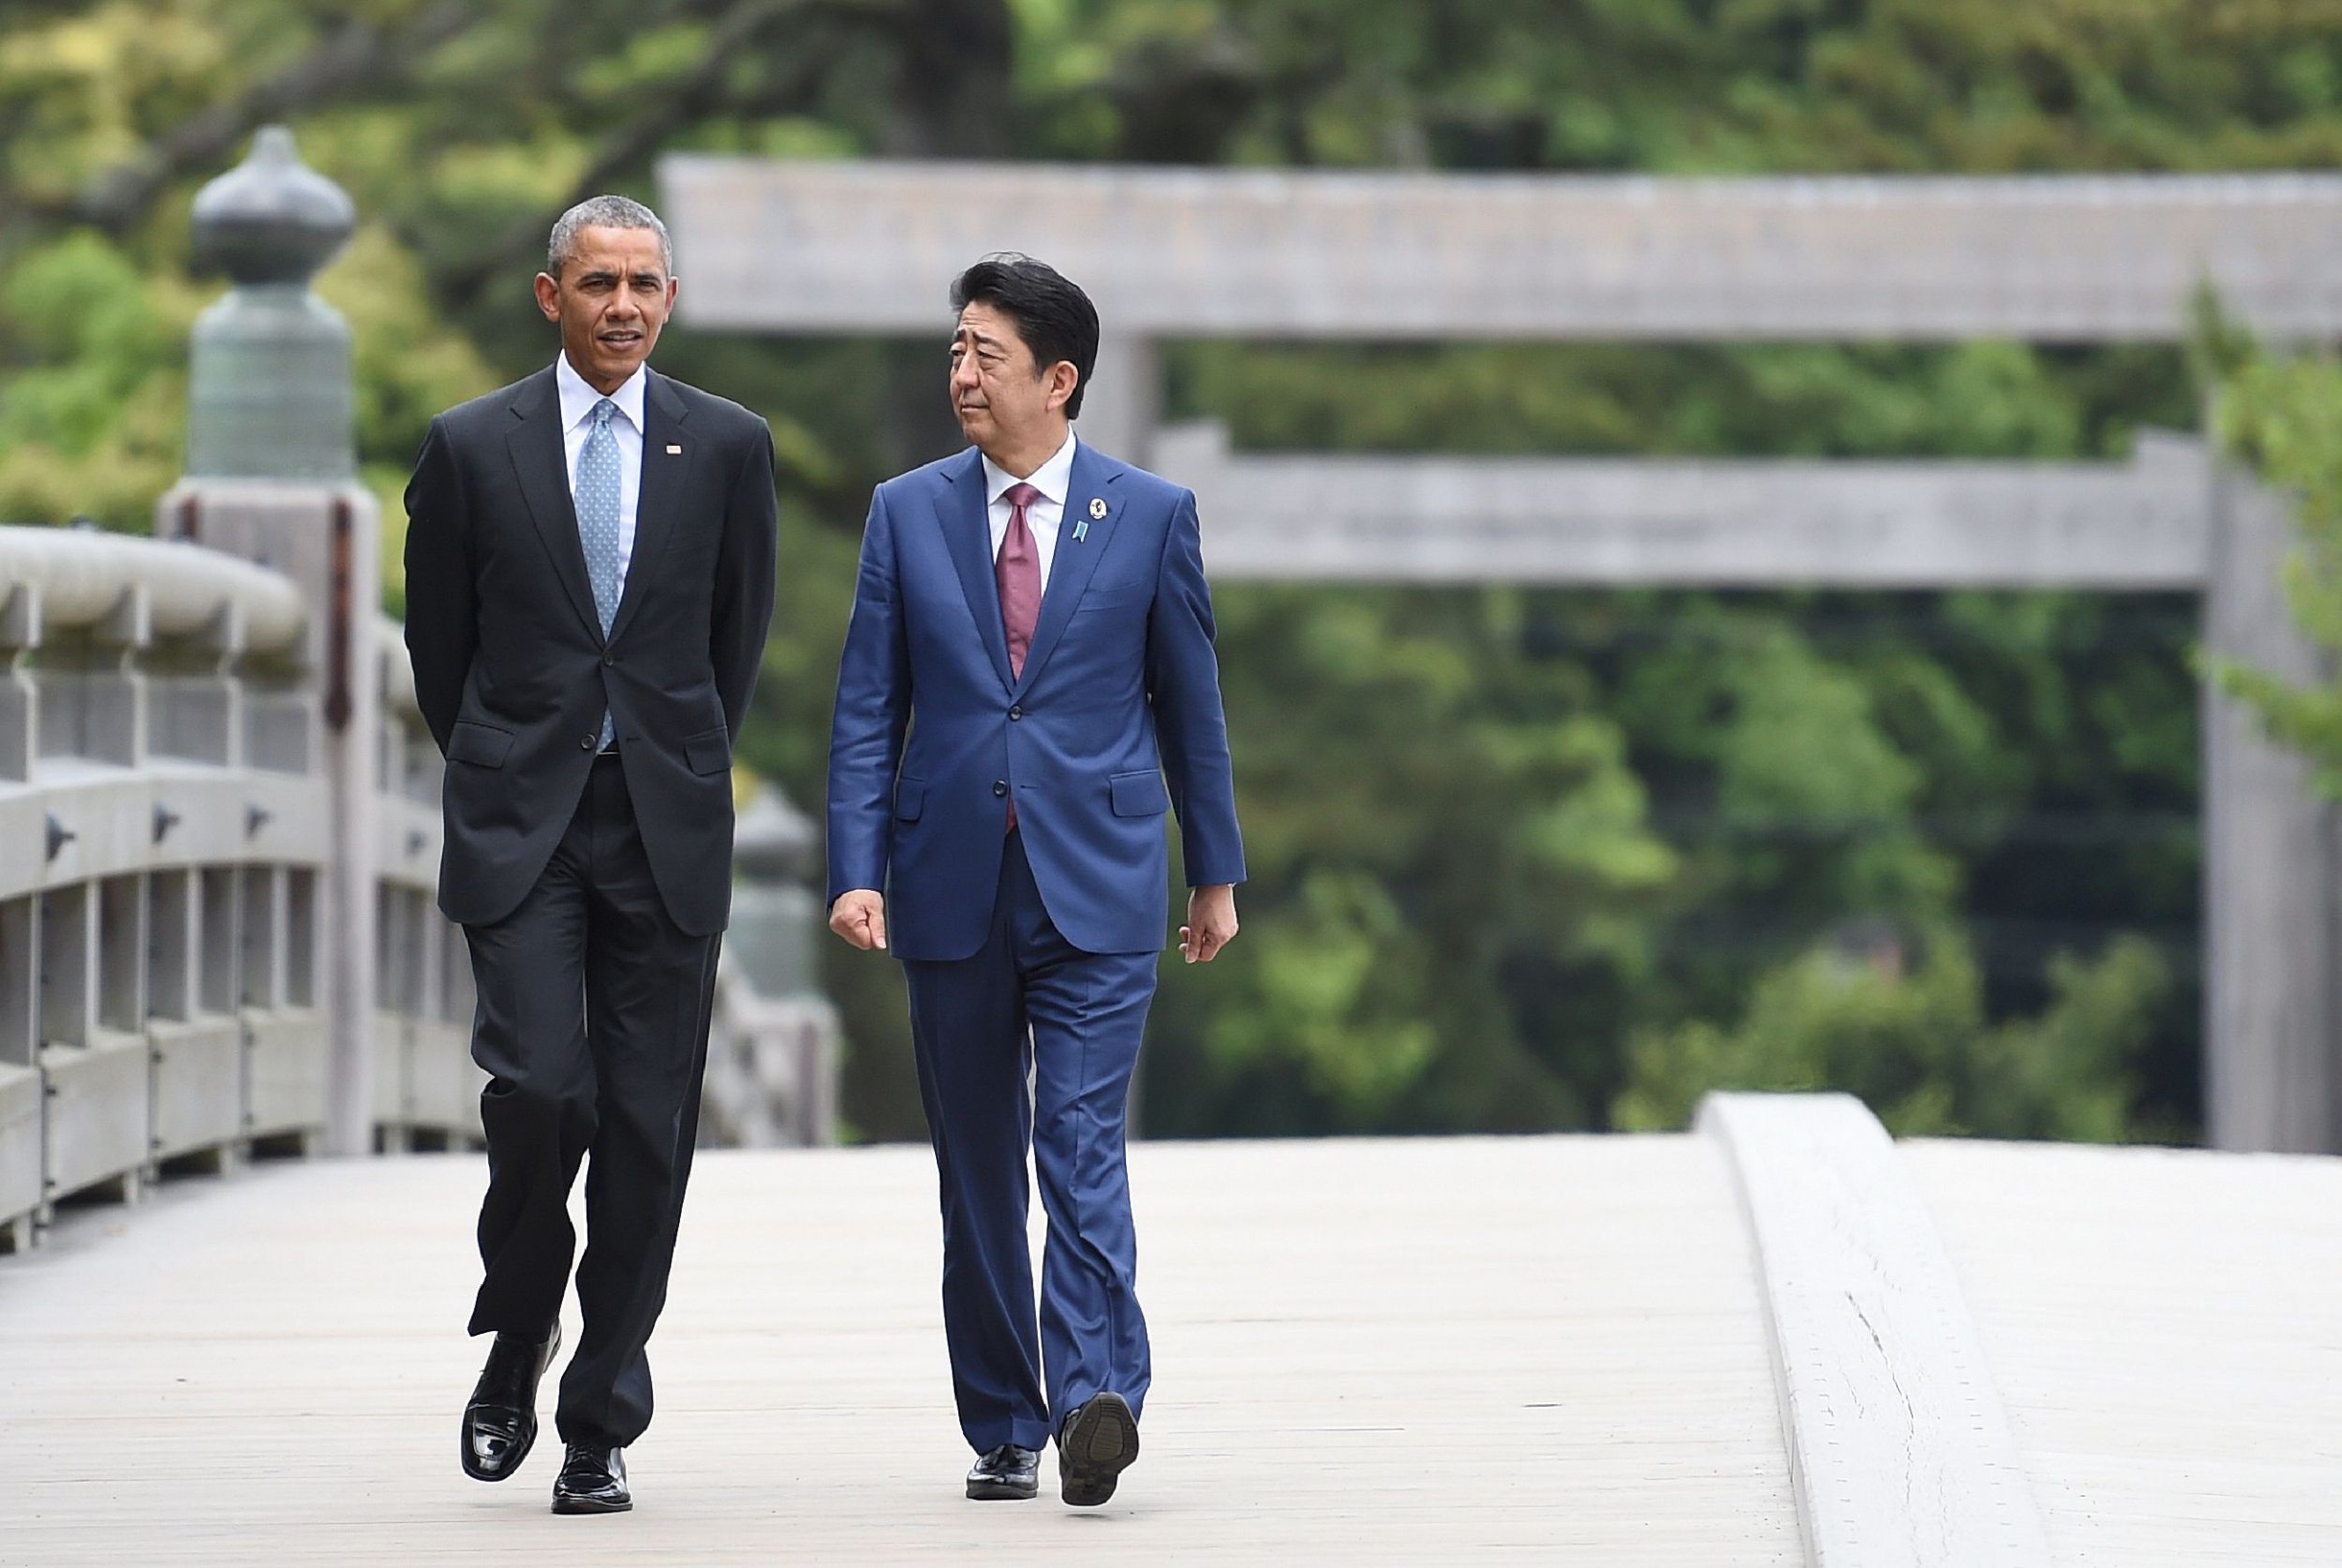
1034	615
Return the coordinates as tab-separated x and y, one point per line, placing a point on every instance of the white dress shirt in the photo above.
625	426
1051	478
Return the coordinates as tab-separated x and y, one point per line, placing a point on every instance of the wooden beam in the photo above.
871	247
2137	527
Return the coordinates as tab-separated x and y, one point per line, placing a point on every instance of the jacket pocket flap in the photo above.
910	798
709	751
480	744
1114	596
1139	794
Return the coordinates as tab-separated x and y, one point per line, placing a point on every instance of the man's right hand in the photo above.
860	917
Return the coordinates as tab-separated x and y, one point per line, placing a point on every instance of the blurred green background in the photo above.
1521	859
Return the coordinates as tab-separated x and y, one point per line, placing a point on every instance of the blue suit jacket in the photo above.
1120	689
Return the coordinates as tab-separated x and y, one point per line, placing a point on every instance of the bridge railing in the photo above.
162	828
164	839
426	1089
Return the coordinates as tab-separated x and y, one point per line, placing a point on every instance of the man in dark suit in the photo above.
589	580
1034	612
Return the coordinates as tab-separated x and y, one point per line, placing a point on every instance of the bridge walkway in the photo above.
1526	1350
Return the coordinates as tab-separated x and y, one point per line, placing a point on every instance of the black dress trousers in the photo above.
592	1025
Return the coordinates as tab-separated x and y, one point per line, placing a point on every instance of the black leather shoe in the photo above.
592	1481
501	1422
1006	1471
1097	1444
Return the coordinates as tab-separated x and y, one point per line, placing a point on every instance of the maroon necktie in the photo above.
1018	573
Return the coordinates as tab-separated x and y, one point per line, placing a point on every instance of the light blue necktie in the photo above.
598	479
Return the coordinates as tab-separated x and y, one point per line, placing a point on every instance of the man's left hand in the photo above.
1210	923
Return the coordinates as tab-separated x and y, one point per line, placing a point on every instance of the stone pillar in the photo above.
771	1068
271	476
777	917
2270	884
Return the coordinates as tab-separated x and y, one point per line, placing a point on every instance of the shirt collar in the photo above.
578	399
1053	479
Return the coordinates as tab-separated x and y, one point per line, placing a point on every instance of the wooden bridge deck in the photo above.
1530	1350
1547	1350
2165	1327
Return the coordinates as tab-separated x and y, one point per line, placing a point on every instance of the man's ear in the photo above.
548	296
1063	378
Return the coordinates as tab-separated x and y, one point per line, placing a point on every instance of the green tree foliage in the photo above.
1917	87
1481	828
1498	835
93	412
1919	1048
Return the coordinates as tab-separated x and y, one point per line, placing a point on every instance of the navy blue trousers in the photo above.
1028	1045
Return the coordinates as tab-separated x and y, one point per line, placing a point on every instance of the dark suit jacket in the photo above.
1120	689
511	671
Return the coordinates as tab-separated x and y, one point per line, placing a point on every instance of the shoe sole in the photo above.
587	1505
1003	1491
463	1434
1094	1451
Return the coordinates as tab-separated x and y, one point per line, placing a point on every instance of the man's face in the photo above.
611	298
1003	399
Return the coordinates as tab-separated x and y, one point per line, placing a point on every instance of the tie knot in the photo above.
603	409
1021	495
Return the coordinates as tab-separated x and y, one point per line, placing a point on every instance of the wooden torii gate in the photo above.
869	248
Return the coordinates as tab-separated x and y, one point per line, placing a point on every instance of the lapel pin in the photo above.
1098	509
1081	531
675	452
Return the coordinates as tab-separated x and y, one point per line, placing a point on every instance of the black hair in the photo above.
1051	313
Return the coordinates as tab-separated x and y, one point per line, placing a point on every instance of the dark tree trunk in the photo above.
952	100
951	97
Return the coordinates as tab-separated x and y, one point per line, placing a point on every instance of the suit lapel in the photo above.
534	443
664	472
961	511
1077	559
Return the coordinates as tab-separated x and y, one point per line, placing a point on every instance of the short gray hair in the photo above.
604	212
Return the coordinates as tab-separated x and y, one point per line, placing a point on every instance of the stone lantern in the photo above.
772	1060
775	914
268	393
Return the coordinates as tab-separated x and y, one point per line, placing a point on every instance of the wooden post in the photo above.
2269	861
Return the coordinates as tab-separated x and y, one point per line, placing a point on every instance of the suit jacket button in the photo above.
999	787
1016	712
610	658
587	743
